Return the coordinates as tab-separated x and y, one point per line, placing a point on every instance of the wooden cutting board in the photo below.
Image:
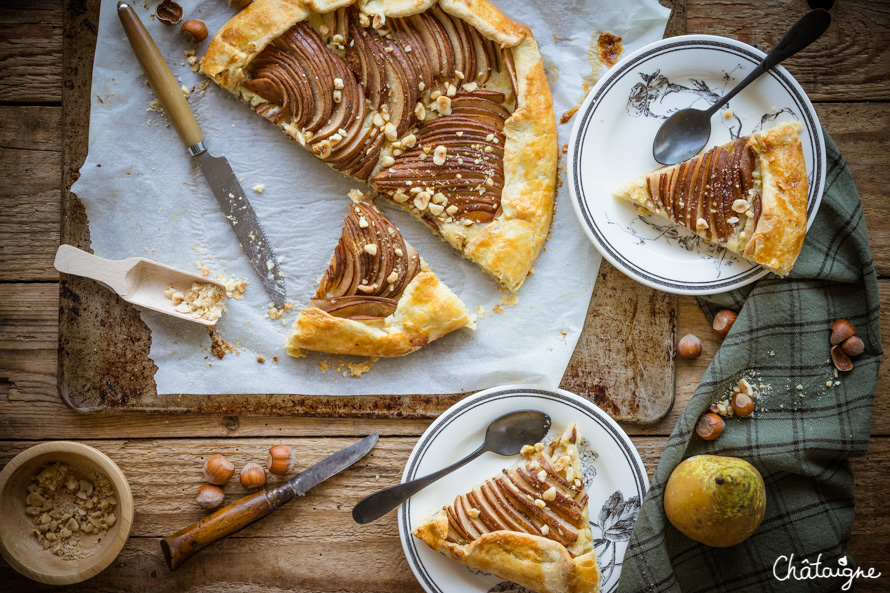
624	361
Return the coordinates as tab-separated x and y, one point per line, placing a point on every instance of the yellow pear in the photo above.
718	501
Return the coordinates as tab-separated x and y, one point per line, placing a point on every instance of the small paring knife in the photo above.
234	204
183	544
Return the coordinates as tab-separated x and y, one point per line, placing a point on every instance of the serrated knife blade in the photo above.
237	209
225	186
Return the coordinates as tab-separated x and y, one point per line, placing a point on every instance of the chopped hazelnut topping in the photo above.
409	141
549	494
364	20
393	276
379	20
387	161
323	149
440	154
378	120
527	450
439	198
436	209
471	86
355	195
739	206
422	200
338	96
398	252
435	95
451	210
390	132
363	222
420	111
545	529
338	83
443	105
473	513
421	86
400	197
370	248
701	224
732	220
540	503
452	90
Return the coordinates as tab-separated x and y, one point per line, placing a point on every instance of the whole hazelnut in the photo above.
194	31
841	330
281	460
238	4
210	496
709	426
742	405
840	359
252	476
218	470
689	347
723	322
169	12
853	346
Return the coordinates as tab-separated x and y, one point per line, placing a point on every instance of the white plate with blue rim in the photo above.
614	474
611	143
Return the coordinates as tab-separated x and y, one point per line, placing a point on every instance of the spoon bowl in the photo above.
506	435
687	131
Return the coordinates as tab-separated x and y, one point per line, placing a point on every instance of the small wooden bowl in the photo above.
20	547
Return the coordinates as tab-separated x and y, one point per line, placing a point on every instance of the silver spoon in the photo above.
505	436
687	131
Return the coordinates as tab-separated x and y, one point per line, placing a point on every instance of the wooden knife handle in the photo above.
183	544
159	76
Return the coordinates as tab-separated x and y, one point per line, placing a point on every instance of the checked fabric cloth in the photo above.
799	439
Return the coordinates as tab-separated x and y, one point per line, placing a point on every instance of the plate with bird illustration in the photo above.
611	143
614	479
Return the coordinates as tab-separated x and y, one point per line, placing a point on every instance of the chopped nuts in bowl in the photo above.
67	511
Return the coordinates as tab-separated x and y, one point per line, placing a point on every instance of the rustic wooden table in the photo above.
314	545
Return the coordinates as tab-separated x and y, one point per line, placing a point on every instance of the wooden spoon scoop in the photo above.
137	280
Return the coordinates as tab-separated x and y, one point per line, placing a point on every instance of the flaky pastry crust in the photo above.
776	240
427	310
507	247
529	560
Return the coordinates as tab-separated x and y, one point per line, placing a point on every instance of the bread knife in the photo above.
226	188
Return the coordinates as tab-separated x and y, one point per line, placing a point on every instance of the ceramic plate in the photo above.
611	143
615	477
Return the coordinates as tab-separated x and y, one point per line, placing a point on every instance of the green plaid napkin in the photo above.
799	439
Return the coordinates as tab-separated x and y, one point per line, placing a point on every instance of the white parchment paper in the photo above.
144	197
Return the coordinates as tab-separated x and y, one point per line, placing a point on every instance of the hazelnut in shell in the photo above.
723	322
194	31
252	476
281	460
210	496
169	12
218	470
742	405
689	347
853	346
709	426
840	331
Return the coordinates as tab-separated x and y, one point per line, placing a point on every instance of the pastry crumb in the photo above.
218	345
357	369
261	359
201	301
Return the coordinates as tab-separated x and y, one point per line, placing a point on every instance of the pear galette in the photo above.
749	196
377	297
440	105
528	524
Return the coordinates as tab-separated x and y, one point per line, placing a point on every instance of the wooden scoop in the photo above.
137	280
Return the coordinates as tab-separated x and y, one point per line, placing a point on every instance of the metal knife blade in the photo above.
216	169
237	209
331	465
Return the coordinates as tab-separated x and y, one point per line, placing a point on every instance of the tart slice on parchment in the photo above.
377	297
749	196
529	524
439	98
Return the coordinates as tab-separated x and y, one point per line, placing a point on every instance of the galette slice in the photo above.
377	297
528	524
749	196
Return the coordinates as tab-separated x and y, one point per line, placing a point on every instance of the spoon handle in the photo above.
805	31
374	506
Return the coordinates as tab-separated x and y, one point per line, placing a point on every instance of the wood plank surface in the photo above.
31	52
850	62
312	544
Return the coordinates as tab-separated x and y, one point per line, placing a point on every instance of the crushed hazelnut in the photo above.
440	154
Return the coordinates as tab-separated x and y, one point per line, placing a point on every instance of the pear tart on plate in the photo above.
441	105
528	525
377	297
749	196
